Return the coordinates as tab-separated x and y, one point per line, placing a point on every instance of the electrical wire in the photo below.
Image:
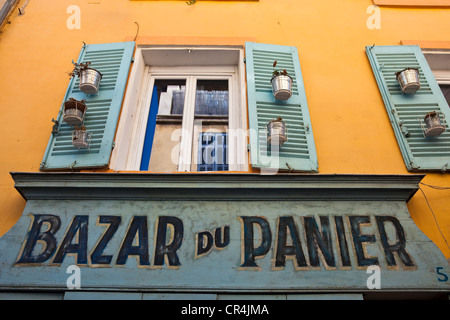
435	187
432	212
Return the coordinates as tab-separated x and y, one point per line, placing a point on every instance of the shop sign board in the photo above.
220	245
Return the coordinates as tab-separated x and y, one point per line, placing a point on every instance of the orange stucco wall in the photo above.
351	128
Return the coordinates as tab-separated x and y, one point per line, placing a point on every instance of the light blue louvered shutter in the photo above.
113	60
299	152
405	110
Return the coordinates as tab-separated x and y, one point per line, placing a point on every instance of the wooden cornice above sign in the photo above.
136	186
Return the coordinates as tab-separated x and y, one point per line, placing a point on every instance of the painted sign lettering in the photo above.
309	242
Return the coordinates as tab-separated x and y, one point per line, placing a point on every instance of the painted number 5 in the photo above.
442	277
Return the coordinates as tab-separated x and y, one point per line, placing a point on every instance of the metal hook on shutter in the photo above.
55	126
404	129
307	127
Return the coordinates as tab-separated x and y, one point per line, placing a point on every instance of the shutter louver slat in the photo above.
113	60
419	153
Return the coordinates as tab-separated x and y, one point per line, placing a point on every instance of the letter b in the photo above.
47	239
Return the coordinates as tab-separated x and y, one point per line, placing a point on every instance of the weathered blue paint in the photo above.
218	245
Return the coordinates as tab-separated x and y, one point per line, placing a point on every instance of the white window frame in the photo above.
127	153
437	60
191	75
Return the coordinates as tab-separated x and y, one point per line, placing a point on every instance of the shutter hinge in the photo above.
444	168
132	59
289	167
113	145
72	165
245	60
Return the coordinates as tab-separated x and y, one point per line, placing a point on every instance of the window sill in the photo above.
412	3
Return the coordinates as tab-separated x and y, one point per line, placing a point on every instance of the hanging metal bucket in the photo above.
74	111
434	127
409	80
282	87
81	139
276	132
90	81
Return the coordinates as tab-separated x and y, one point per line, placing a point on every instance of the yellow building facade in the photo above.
353	132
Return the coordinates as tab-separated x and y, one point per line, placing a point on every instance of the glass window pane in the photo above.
211	98
166	148
161	146
170	96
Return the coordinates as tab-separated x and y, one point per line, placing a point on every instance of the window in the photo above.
212	151
185	109
412	3
190	114
210	73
